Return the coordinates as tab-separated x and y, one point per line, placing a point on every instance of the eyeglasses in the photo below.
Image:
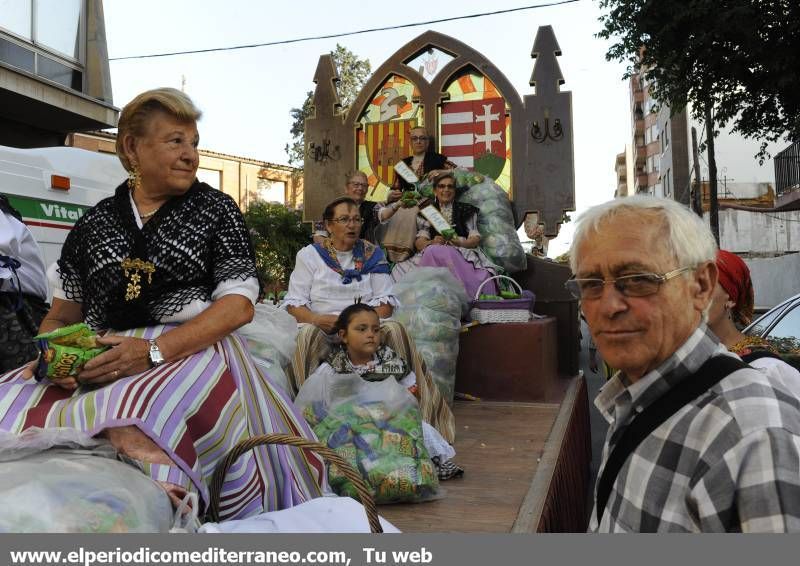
348	220
419	138
636	285
362	185
440	186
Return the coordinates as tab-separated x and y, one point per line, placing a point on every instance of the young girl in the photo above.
361	353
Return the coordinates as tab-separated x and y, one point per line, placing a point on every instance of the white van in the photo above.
54	186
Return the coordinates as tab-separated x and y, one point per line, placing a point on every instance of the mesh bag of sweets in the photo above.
432	303
496	224
64	351
376	427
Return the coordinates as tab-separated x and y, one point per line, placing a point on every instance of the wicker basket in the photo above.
506	310
330	456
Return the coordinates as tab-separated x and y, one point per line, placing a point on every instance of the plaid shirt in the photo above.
727	461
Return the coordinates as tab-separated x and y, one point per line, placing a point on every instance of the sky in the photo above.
246	95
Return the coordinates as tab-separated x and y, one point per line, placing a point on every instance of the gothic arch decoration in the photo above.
526	142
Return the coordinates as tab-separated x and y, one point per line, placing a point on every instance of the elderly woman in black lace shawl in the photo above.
167	267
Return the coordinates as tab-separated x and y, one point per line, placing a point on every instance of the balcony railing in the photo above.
787	169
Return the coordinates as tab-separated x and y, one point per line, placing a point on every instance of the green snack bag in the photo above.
64	351
448	234
410	198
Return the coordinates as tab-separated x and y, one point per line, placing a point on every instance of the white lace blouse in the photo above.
319	288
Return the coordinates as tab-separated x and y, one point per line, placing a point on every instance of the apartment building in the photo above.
54	74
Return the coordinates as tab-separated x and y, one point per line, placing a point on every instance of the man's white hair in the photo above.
687	237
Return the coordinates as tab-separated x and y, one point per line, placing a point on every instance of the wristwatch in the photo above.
156	359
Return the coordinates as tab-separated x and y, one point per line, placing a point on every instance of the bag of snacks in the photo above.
60	480
64	351
376	427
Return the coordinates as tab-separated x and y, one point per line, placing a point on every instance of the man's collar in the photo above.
687	359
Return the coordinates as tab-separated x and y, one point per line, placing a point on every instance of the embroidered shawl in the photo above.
368	258
386	363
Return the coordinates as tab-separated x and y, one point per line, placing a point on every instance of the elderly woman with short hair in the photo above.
331	275
166	265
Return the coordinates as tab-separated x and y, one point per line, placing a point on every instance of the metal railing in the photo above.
787	169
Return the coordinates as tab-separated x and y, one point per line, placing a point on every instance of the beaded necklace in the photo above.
148	214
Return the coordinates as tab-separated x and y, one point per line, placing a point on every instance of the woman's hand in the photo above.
30	368
394	195
127	356
64	383
324	322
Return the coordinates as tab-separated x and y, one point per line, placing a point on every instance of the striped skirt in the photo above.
195	410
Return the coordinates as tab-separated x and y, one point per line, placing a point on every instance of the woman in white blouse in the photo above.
335	273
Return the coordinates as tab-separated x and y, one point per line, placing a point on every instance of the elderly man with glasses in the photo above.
698	441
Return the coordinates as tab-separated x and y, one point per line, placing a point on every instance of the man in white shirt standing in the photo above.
23	289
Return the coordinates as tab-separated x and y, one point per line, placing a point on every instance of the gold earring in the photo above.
134	178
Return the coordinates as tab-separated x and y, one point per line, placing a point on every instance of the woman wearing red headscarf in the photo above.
732	308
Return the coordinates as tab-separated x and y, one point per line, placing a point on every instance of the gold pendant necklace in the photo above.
135	265
148	214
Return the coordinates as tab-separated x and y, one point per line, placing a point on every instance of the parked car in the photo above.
781	327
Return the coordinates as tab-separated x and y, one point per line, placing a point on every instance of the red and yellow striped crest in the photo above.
387	143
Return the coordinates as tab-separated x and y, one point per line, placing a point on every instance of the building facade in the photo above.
663	154
54	74
242	178
787	177
755	222
623	166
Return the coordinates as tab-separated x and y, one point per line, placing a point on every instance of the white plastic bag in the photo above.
320	515
271	341
376	427
499	237
432	303
185	519
75	490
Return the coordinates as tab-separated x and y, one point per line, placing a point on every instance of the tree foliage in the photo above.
735	58
278	233
353	73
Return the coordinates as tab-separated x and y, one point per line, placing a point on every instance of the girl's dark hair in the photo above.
328	213
347	315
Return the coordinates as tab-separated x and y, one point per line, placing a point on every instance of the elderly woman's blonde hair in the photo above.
135	114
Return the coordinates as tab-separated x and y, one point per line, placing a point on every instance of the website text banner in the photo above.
399	550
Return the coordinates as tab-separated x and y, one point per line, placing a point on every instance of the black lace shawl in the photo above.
195	241
431	161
